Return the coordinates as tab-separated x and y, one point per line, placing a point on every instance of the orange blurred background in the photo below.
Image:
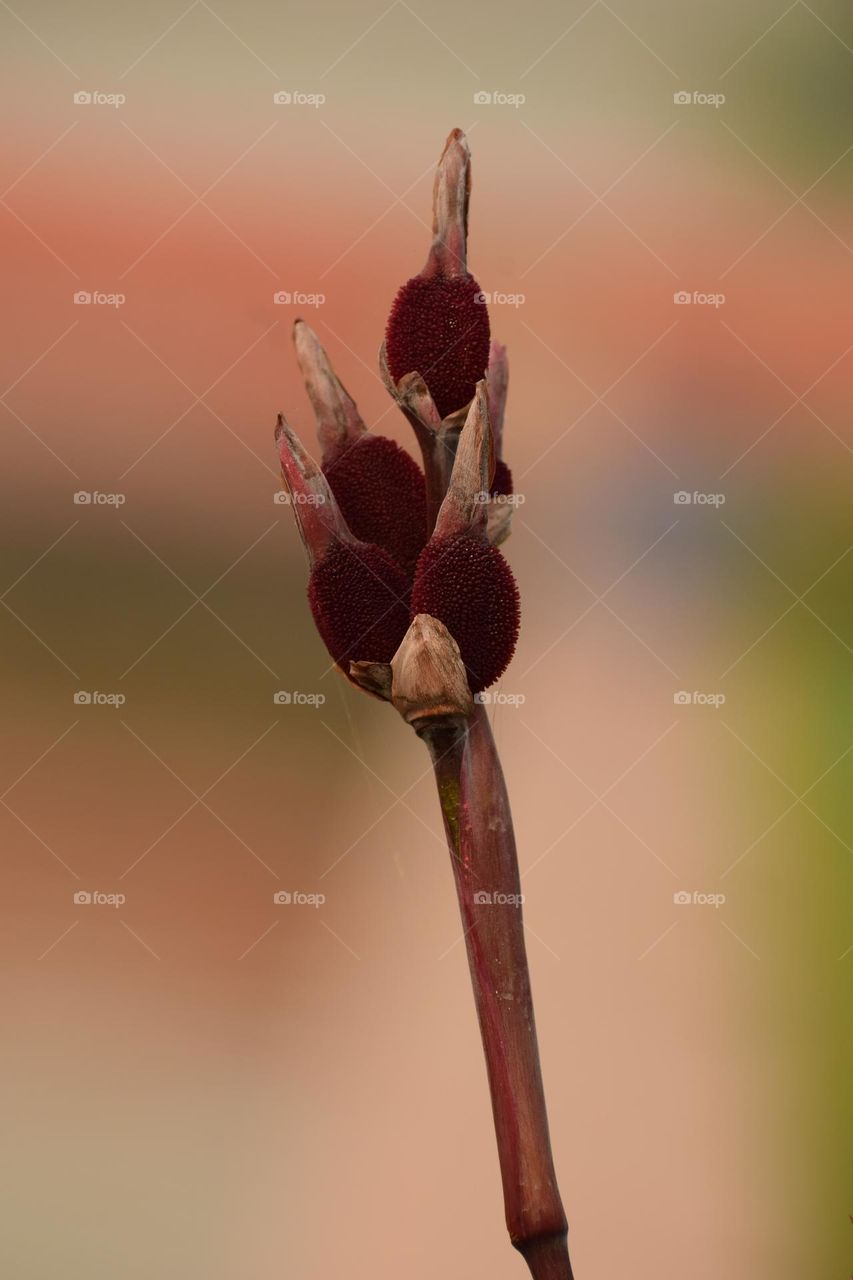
202	1082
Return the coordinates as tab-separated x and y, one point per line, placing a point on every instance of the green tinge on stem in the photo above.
478	825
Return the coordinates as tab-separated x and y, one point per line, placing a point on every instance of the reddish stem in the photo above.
478	824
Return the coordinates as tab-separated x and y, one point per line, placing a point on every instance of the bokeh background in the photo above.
199	1082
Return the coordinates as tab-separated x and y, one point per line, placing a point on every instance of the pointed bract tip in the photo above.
339	423
318	516
465	505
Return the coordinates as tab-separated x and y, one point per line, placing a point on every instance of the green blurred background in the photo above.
201	1082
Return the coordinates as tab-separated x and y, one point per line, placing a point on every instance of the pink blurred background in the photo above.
200	1082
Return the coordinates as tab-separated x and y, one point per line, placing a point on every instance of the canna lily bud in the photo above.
378	486
439	325
461	579
357	593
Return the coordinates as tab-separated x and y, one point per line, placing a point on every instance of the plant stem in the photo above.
478	825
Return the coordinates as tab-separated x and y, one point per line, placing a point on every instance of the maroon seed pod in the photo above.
439	325
469	586
380	491
358	598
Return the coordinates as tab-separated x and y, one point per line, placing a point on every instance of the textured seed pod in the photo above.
439	326
358	598
502	481
380	491
469	586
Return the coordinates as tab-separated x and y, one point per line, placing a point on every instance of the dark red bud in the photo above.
439	327
358	598
469	586
380	490
502	481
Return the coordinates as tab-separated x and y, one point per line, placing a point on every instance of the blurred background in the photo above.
202	1082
